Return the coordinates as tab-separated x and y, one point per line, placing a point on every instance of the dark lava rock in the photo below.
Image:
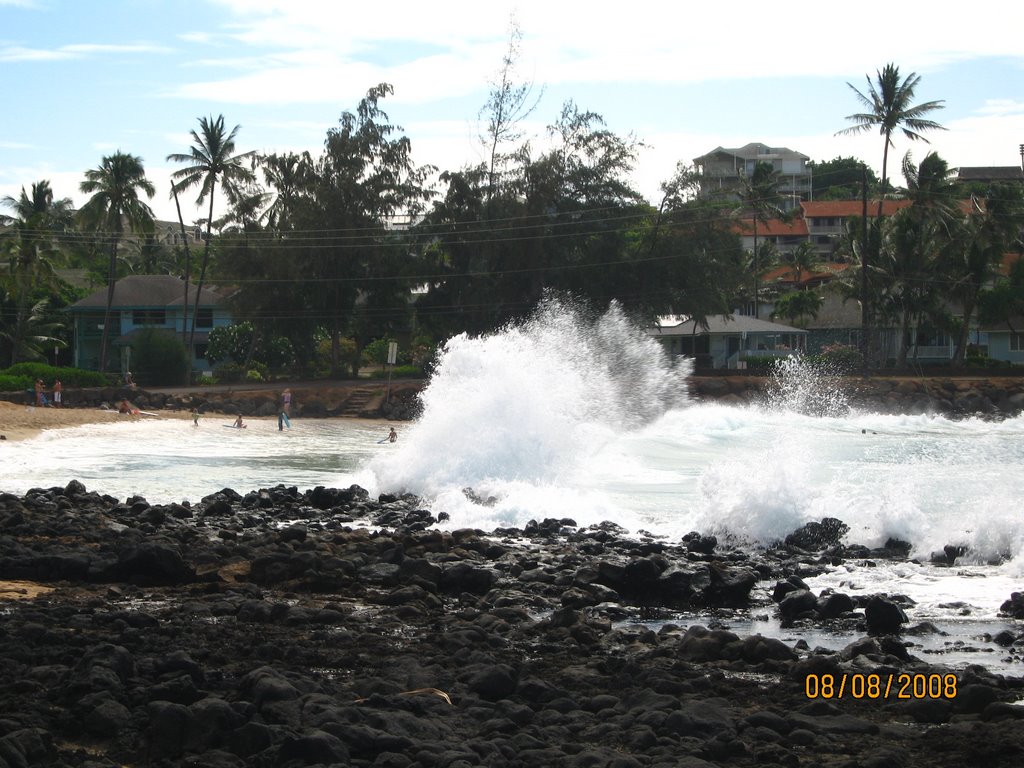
818	536
884	617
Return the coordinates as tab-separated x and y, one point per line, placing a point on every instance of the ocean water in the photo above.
578	416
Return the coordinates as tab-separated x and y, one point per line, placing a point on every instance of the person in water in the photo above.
195	417
392	435
239	424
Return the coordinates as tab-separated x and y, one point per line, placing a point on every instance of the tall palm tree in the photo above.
210	160
890	105
31	241
916	241
803	260
762	202
288	176
992	229
114	205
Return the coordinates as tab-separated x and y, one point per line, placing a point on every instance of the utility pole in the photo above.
865	316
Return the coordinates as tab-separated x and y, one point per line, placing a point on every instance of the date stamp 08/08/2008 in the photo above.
880	686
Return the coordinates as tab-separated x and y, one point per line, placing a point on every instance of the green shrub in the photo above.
254	376
14	383
376	352
838	358
228	373
159	358
23	376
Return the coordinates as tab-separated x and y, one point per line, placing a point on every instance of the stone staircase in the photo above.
357	401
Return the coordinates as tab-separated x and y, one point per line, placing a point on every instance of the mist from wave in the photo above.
572	416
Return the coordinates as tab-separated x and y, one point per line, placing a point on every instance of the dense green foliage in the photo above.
159	358
22	376
331	254
841	179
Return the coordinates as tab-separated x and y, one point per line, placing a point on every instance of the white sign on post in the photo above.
392	352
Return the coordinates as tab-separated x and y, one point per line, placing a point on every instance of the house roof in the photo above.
148	291
723	325
755	150
821	273
846	208
773	228
990	173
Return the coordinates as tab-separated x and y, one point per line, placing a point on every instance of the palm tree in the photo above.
30	239
890	105
288	175
761	202
917	239
803	260
992	229
211	160
115	204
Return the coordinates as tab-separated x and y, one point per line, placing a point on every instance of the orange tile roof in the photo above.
841	208
823	273
773	228
844	208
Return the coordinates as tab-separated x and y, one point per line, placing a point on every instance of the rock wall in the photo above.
954	397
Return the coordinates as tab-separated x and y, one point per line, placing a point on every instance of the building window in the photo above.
1017	342
149	317
204	318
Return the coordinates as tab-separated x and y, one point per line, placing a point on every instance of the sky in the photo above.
84	78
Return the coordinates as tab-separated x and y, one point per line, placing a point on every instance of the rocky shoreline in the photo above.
327	628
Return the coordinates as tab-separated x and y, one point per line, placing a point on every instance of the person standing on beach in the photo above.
286	402
58	389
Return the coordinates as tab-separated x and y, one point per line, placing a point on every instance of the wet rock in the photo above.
154	564
815	536
884	617
1014	607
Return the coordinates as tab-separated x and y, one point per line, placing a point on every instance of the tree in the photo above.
288	177
363	181
797	305
566	220
802	260
992	229
914	243
211	161
890	105
761	203
508	104
115	204
839	179
31	241
159	357
692	259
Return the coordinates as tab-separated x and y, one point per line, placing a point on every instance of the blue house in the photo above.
728	341
144	301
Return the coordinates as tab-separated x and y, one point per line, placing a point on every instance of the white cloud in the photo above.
16	53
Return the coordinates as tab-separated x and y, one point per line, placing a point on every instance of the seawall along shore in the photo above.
952	396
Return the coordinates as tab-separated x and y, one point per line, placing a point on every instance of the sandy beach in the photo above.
20	422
